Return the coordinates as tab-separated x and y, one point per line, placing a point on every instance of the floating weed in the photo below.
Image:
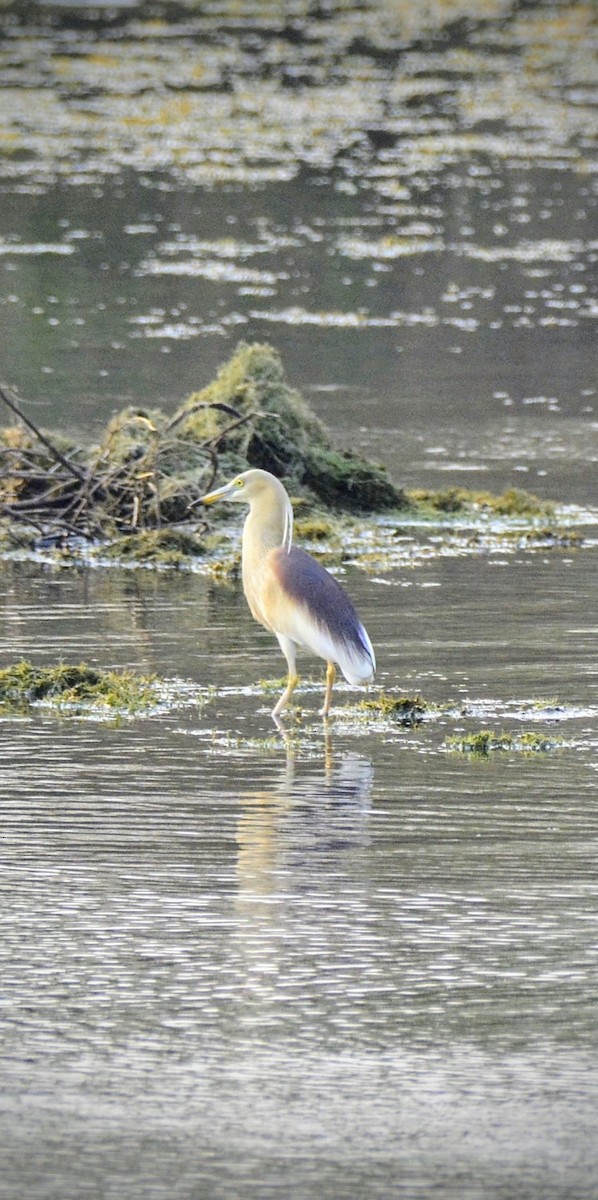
546	538
83	689
269	686
315	529
532	710
158	547
77	687
225	571
225	743
515	502
404	710
486	741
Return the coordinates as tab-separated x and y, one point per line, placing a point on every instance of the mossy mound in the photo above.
148	467
258	420
76	686
345	480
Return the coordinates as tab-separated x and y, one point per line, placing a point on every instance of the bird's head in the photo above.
267	499
243	489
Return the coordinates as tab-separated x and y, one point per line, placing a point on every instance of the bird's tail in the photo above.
358	661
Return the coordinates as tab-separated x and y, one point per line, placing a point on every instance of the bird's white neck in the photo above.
269	523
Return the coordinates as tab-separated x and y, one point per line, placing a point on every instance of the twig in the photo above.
8	511
182	416
229	428
42	502
12	404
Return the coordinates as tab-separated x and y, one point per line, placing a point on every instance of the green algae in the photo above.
346	480
315	528
545	538
78	687
226	571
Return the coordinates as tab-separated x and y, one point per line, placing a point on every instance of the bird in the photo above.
291	594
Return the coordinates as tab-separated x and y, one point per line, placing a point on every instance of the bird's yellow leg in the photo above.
330	678
289	650
293	680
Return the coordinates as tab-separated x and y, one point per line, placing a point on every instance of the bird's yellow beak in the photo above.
219	494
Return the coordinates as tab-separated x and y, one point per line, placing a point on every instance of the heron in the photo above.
291	594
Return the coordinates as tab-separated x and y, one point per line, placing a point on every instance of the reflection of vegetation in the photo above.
170	91
79	687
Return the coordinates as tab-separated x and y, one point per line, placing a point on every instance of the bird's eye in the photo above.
239	483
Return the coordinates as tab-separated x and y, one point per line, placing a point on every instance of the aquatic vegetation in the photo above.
546	538
157	547
225	571
275	429
271	686
130	498
314	528
486	741
403	710
515	502
77	687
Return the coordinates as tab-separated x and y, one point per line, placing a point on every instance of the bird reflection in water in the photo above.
300	844
311	813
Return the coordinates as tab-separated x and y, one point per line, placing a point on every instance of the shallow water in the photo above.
357	962
345	965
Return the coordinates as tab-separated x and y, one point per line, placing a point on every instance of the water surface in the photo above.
352	961
333	965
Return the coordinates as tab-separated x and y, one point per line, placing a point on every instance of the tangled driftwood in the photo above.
150	467
60	491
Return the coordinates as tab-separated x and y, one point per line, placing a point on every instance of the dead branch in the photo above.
54	451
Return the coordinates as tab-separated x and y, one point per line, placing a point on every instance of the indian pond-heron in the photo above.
291	594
